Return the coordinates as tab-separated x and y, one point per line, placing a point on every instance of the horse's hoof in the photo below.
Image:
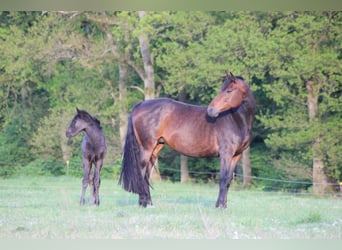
145	203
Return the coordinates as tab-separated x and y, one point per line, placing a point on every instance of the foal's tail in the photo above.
131	177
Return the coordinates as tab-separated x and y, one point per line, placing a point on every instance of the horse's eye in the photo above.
230	91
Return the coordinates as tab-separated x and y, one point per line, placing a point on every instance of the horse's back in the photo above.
153	105
166	105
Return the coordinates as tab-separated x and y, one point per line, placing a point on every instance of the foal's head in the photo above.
231	95
80	122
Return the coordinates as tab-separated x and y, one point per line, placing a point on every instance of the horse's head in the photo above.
231	95
79	123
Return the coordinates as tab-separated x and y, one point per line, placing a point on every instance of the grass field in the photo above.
47	207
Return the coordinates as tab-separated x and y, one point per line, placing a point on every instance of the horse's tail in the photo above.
131	177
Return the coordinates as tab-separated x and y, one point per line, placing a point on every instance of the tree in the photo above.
22	102
305	65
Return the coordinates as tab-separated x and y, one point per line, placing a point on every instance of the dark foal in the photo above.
93	152
222	129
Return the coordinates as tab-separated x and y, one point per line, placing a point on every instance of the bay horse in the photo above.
94	149
223	129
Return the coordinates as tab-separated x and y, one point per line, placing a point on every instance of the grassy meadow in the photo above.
48	208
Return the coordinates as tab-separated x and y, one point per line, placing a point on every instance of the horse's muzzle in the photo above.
213	112
68	134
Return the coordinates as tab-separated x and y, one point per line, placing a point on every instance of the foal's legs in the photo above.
91	186
85	181
97	181
227	166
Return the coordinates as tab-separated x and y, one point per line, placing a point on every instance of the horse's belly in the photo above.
200	154
193	147
93	155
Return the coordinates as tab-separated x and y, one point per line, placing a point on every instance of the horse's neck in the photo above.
94	134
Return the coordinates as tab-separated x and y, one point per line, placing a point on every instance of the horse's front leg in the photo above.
227	166
85	181
97	181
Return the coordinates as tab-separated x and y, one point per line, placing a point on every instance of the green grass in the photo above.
49	207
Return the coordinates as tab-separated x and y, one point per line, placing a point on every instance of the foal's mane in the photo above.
84	115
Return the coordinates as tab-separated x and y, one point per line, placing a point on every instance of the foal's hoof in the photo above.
94	203
221	205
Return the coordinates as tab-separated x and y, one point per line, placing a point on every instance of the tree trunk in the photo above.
123	114
184	169
24	97
149	85
183	159
246	168
319	178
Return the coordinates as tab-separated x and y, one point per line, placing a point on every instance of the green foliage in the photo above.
204	169
43	167
18	129
168	164
200	169
303	49
52	167
8	171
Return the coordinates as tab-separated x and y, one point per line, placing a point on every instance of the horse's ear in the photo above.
77	110
227	74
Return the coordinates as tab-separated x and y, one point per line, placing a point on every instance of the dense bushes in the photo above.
50	167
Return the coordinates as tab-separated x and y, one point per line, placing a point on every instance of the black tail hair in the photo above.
131	177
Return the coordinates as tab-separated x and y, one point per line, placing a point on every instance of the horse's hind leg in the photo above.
144	195
150	159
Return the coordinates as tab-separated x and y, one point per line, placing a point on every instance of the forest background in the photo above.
105	62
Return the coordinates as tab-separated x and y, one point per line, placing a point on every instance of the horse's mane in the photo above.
230	79
89	118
